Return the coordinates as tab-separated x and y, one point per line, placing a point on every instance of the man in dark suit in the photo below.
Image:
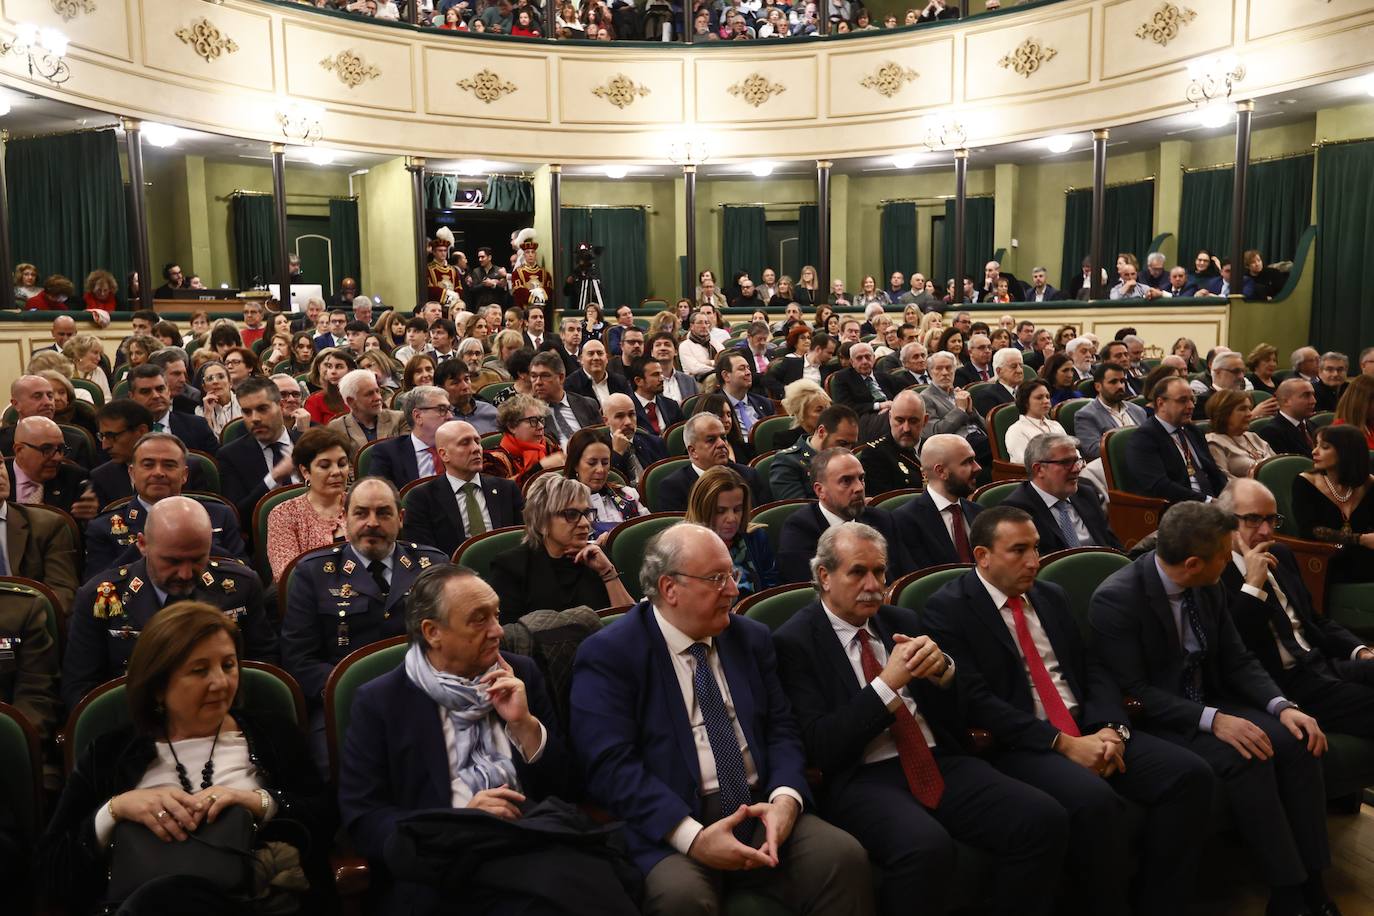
891	463
398	759
535	338
935	524
736	381
911	370
1178	284
122	423
704	436
34	396
837	480
881	718
402	459
157	470
1290	433
460	503
39	545
1038	291
1162	628
712	793
252	465
654	412
568	412
1008	371
857	387
1060	725
632	449
148	386
568	346
992	272
786	370
978	362
1157	456
593	379
111	610
1318	663
1067	510
40	475
1332	372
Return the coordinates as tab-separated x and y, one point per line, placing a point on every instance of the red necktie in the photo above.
438	462
652	410
1055	710
922	775
983	374
961	547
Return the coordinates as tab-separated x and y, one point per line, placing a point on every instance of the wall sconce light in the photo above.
944	132
45	49
300	122
1212	79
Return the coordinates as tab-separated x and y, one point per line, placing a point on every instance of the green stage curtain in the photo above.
1344	285
978	221
623	262
514	195
808	236
899	240
744	243
440	191
67	207
343	232
1127	225
255	239
1278	207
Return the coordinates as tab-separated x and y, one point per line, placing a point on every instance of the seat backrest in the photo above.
365	455
673	440
774	515
234	429
208	467
893	500
1079	572
628	541
775	606
477	552
121	388
28	588
763	464
992	494
97	395
1001	418
913	590
762	433
1064	412
1318	420
689	404
1259	423
22	787
1277	473
1258	395
366	664
653	477
270	500
491	440
494	390
408	489
1115	444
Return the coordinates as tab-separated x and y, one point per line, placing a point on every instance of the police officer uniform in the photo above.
113	608
889	467
790	475
112	538
335	605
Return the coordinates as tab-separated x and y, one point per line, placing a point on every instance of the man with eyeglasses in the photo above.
406	458
1168	456
254	464
122	423
293	409
1067	511
704	437
682	675
42	475
455	378
33	396
568	412
1316	662
1228	371
148	386
36	545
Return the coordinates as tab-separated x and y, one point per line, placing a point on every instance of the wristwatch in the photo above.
1123	730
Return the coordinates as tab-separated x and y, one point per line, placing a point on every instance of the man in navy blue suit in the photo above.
402	459
646	377
935	524
736	379
684	732
632	449
460	724
148	386
882	717
704	436
1168	455
252	465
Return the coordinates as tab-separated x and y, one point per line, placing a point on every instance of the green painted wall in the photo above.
661	221
390	263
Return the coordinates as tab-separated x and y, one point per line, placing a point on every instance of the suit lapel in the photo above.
17	530
835	655
448	505
989	616
1159	601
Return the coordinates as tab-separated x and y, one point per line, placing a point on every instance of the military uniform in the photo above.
112	538
28	659
333	607
888	467
113	608
790	475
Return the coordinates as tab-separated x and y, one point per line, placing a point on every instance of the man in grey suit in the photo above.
951	410
1109	410
568	412
367	420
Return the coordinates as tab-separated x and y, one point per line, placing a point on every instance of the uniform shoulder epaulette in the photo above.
875	442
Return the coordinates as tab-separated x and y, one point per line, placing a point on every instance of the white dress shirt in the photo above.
457	484
684	667
424	461
267	456
671	390
942	506
503	745
1042	645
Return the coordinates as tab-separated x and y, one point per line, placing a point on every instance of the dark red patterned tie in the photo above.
922	775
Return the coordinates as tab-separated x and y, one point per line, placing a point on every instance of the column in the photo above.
279	206
689	187
415	165
556	266
1005	190
1099	205
133	143
960	203
1244	111
6	255
823	167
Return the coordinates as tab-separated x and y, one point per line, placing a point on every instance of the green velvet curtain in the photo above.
440	191
808	236
515	195
978	221
744	242
621	232
1278	207
67	206
255	239
1344	285
899	240
343	232
1127	226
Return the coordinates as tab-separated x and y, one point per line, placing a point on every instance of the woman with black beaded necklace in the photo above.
182	684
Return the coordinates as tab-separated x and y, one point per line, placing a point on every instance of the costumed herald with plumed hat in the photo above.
441	277
529	274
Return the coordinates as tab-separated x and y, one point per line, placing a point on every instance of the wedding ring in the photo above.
213	799
161	815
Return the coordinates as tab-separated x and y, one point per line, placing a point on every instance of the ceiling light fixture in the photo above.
160	135
1059	143
472	167
761	169
615	172
944	132
1213	78
1368	83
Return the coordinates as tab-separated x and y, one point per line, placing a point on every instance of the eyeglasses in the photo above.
110	435
47	451
532	421
716	579
443	407
573	516
1252	520
1076	462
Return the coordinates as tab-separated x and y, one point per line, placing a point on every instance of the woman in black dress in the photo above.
1331	502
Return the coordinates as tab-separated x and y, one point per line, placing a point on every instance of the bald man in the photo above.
632	449
112	608
40	474
33	396
63	328
890	462
442	513
935	524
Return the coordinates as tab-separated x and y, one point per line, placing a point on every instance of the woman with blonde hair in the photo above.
26	284
1356	407
85	350
1263	362
803	401
504	345
808	291
720	501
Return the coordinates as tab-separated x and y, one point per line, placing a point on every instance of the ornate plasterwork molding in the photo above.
487	86
207	40
755	89
1164	25
70	9
1029	56
621	91
888	79
351	69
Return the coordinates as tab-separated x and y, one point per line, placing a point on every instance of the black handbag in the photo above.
220	853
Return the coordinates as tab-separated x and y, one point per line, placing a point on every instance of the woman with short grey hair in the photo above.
524	451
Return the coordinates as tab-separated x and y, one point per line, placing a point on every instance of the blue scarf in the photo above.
481	765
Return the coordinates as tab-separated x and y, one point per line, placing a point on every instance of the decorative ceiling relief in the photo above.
1164	26
70	9
888	79
207	40
351	69
1028	58
621	91
755	89
487	86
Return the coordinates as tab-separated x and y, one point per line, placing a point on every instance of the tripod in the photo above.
589	291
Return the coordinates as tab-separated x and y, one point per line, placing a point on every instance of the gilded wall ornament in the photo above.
1166	22
1028	57
621	91
351	69
755	89
888	79
207	40
488	87
70	9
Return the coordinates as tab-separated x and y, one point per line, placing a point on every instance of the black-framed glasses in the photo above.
532	421
716	579
47	451
106	435
1254	520
573	516
444	407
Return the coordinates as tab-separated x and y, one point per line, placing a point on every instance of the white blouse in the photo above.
1026	429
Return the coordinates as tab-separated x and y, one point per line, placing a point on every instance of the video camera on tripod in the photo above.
583	285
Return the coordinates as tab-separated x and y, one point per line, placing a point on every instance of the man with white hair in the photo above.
1305	362
704	436
857	387
1155	276
1083	353
950	409
367	420
1008	372
1228	371
912	372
